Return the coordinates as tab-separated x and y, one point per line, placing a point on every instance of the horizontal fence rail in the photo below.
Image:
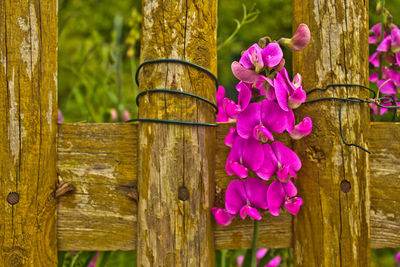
100	161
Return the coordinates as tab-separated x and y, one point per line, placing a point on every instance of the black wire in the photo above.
175	122
176	92
175	61
343	85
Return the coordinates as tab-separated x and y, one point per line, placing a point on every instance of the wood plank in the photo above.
28	128
332	227
102	217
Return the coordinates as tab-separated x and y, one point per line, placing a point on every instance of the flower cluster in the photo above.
260	254
267	97
385	62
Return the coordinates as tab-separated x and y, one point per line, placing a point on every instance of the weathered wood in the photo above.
28	108
100	160
332	228
173	232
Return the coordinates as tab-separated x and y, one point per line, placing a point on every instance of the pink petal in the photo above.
231	109
290	189
252	212
261	253
286	156
256	191
395	44
253	154
297	98
387	87
240	260
374	59
384	46
238	169
243	74
302	129
283	174
248	119
220	95
270	164
274	262
293	205
281	92
244	97
262	134
301	38
373	77
275	197
398	58
245	60
297	80
272	55
273	117
376	30
230	137
235	197
222	217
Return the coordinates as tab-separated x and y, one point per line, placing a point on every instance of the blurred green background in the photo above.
98	55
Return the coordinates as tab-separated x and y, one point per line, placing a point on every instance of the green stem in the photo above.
254	247
223	257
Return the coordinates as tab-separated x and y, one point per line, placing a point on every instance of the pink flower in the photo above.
126	115
300	39
60	116
280	160
244	155
245	197
375	33
274	262
260	254
398	257
272	55
280	194
259	119
302	129
244	74
252	58
288	94
398	58
395	43
374	59
232	109
222	217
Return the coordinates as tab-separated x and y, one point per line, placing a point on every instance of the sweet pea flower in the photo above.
230	137
398	257
244	197
232	109
252	58
245	154
280	160
375	33
280	194
272	55
222	217
395	41
274	262
260	254
384	46
288	94
300	39
221	116
302	129
398	58
259	119
374	59
244	74
387	86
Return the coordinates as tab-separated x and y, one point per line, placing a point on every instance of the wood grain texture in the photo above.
28	108
100	160
332	228
172	232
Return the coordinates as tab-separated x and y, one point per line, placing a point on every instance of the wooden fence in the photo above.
105	162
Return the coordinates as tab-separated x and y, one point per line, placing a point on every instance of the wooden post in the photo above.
28	127
174	232
332	228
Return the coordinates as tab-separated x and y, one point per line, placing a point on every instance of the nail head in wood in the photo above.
345	186
183	193
13	198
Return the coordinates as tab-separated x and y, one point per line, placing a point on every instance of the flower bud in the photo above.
379	8
126	115
300	39
114	115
